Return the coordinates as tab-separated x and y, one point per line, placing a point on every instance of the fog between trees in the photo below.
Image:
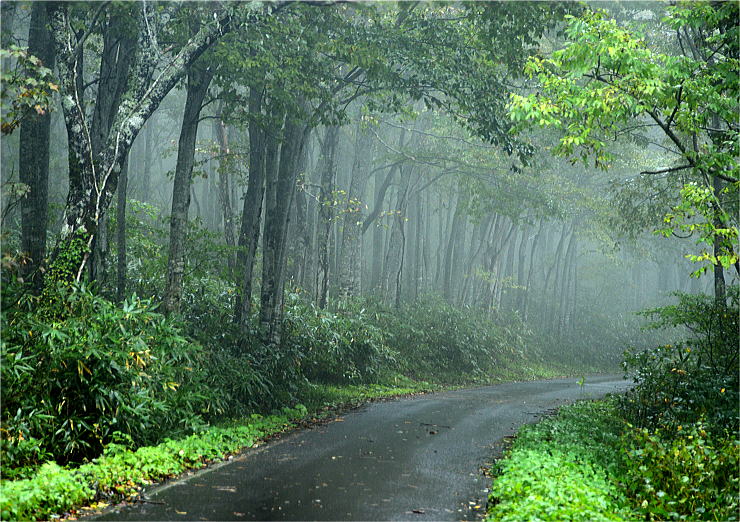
331	151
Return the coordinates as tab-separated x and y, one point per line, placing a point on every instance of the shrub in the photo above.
73	378
334	347
444	343
120	471
687	474
682	382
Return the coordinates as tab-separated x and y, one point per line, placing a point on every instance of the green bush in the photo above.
697	378
342	347
119	472
73	378
440	342
687	474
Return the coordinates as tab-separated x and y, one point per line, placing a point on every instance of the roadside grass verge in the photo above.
588	463
562	468
120	472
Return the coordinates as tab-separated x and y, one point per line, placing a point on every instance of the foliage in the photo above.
440	342
71	381
120	472
561	469
685	474
587	463
683	455
27	88
607	81
335	347
682	382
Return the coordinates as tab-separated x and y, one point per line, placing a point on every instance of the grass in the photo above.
588	463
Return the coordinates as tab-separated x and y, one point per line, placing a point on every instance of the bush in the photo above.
119	472
440	342
687	474
682	382
342	347
73	378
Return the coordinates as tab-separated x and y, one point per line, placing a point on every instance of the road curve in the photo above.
409	459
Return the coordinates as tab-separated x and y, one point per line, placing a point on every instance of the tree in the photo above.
198	80
607	82
154	71
33	168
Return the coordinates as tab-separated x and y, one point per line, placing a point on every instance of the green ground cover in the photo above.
666	450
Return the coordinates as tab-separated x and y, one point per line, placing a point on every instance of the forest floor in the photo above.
412	458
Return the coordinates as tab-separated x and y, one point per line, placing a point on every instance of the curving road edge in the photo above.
409	459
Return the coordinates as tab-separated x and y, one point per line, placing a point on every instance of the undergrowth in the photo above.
119	471
560	468
666	450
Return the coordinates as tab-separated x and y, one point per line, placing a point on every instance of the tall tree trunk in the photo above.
528	286
278	200
33	166
565	284
198	82
121	233
351	251
224	172
520	269
396	253
452	244
252	208
326	213
115	62
147	171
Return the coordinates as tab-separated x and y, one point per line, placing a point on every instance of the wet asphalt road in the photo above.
410	459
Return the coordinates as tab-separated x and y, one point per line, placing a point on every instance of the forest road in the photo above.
408	459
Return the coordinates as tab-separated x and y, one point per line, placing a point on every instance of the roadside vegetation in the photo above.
667	450
670	448
221	217
100	399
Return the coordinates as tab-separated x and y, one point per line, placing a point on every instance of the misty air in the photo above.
342	260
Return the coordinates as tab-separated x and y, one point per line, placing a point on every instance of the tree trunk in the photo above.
278	200
529	283
326	212
93	178
251	210
121	233
115	62
350	263
452	244
224	172
397	243
33	166
198	82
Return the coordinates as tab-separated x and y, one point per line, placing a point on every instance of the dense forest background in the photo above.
208	208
